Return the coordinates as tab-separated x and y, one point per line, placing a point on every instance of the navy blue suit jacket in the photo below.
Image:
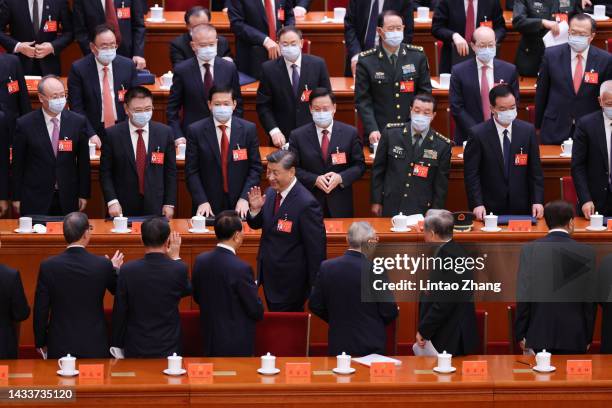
557	105
203	163
188	93
69	304
85	95
180	48
89	14
310	165
224	287
15	104
277	105
449	18
5	157
485	182
16	15
119	178
464	93
14	308
146	320
355	327
249	24
288	262
36	170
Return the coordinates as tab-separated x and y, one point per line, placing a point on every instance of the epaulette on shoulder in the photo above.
367	52
414	47
444	138
395	125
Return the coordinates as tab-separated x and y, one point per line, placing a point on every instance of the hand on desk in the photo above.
377	210
480	212
115	210
537	211
3	207
140	62
588	209
16	206
278	139
205	210
82	204
168	211
242	207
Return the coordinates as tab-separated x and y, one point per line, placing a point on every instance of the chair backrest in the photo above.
191	333
513	345
283	334
391	331
306	46
568	190
330	4
482	325
183	5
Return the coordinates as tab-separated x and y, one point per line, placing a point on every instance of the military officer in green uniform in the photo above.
410	170
533	19
388	77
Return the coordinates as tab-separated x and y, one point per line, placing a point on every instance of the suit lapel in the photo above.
235	139
334	143
600	137
493	139
44	132
284	74
475	84
25	11
262	11
313	138
211	138
304	71
127	143
117	85
95	83
566	63
282	210
198	80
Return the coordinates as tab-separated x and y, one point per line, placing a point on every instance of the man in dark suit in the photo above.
472	80
14	304
51	156
14	98
355	327
180	47
329	156
146	321
126	17
360	24
293	240
447	318
218	5
555	288
138	162
255	24
454	23
193	79
224	288
502	169
69	301
569	80
38	35
591	157
285	87
97	84
222	148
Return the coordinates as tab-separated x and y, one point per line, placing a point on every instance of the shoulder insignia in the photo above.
367	52
444	138
395	125
414	47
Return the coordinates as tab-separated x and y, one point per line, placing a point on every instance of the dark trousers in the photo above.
55	209
608	208
284	307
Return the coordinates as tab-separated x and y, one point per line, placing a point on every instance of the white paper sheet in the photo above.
428	351
375	358
550	39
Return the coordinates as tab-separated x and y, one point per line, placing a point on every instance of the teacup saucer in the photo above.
372	155
156	20
180	157
400	230
274	371
422	20
445	370
349	370
548	369
565	155
485	229
460	155
175	373
94	157
596	229
199	231
72	374
116	231
17	230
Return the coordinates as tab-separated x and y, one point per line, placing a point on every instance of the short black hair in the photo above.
285	158
215	89
558	214
75	225
425	97
320	93
584	17
101	29
197	10
227	223
500	91
137	92
289	29
155	232
387	13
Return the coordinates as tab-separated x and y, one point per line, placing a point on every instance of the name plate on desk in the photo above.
136	227
382	369
297	370
55	228
91	371
200	370
609	224
477	368
333	226
579	367
4	374
519	225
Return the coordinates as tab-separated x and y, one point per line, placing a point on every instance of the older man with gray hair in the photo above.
446	318
355	327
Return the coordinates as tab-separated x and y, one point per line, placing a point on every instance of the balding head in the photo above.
483	37
605	97
50	85
202	36
438	225
51	91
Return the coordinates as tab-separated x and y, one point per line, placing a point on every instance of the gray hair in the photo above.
359	233
202	28
75	225
440	222
606	87
41	84
285	158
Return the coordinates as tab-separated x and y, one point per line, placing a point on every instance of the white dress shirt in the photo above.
320	133
584	53
287	190
203	70
608	128
111	84
289	64
134	137
103	5
500	133
381	3
558	230
490	77
229	248
228	131
49	124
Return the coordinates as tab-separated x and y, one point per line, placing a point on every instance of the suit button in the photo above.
397	95
399	117
407	185
397	106
405	195
397	84
409	174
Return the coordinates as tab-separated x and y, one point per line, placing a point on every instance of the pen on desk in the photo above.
523	362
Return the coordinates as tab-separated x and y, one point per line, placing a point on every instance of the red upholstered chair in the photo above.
183	5
482	325
306	46
531	114
437	55
283	334
191	333
568	190
330	4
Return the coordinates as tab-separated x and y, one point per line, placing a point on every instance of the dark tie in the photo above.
393	59
35	18
277	202
610	160
111	19
417	140
208	81
141	159
295	79
324	144
371	31
506	153
224	153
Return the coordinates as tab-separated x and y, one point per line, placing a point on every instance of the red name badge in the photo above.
55	228
281	14
91	371
64	145
591	77
306	95
157	158
339	158
50	26
13	87
420	171
284	226
486	24
520	159
200	370
121	94
559	17
406	86
239	154
519	225
123	13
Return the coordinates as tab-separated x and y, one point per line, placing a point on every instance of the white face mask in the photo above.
140	119
506	117
57	105
322	119
107	56
222	113
207	53
578	43
394	38
420	123
291	52
486	54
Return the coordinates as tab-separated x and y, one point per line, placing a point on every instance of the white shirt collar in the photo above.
288	189
228	124
100	66
329	128
48	117
500	129
297	62
202	62
75	246
229	248
607	120
134	128
583	53
558	230
480	64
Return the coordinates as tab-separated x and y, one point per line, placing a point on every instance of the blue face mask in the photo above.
578	43
322	119
222	113
608	112
57	105
486	55
291	52
506	117
394	38
420	123
107	56
207	53
140	119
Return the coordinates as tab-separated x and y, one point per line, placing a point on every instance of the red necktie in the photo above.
484	94
271	20
578	73
112	20
107	101
277	202
208	80
224	152
324	144
469	21
141	159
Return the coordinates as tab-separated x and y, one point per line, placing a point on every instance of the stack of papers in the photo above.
376	358
550	40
